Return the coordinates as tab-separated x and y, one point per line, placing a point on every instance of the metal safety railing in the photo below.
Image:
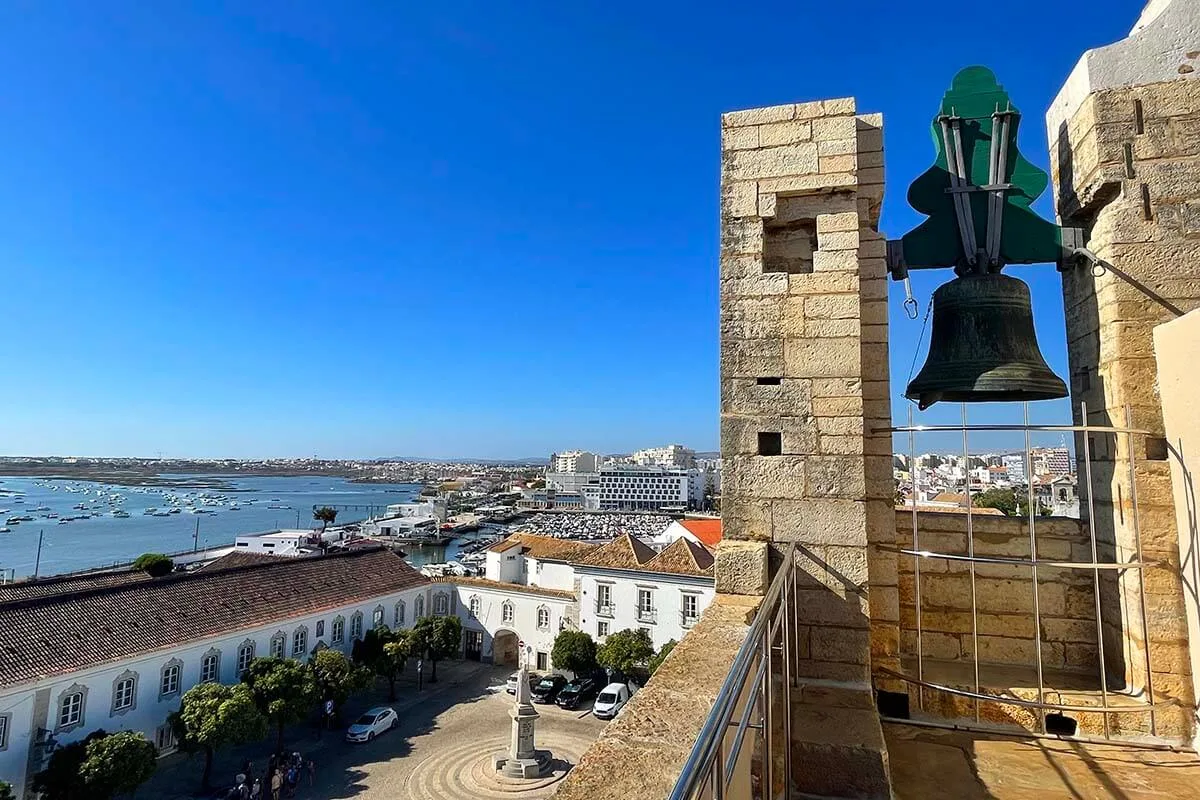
744	713
1096	566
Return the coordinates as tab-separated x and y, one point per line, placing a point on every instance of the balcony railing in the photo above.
720	761
604	610
688	620
649	615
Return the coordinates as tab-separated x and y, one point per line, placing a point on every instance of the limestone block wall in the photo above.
804	390
1126	168
804	370
1004	593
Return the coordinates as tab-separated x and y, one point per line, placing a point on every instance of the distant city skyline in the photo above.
262	232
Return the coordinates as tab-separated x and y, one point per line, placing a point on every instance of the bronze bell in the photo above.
983	348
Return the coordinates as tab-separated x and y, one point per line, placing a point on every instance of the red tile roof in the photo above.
706	530
682	557
624	552
66	584
65	632
520	588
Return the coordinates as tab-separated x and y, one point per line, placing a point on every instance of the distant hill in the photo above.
542	460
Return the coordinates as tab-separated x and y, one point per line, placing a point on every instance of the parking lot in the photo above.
446	733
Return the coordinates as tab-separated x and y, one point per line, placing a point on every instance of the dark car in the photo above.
576	693
548	688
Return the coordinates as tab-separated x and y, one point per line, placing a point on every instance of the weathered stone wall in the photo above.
1177	352
1003	593
1126	168
804	388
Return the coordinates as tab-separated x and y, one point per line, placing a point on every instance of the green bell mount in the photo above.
977	197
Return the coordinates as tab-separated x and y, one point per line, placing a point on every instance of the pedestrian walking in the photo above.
256	790
312	772
276	785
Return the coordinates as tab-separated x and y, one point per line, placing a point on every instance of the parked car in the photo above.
576	693
374	722
610	701
545	690
511	686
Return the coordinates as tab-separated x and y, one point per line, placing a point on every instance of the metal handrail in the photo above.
705	762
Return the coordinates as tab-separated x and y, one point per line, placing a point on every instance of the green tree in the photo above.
325	515
117	764
337	677
661	656
284	691
385	653
213	715
574	651
626	650
1004	500
62	779
155	565
437	638
6	792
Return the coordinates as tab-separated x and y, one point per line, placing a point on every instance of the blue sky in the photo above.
485	229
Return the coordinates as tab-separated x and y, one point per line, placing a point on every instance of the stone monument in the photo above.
522	760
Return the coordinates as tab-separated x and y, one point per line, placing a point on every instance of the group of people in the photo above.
284	775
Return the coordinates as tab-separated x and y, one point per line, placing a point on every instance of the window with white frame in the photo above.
506	612
168	683
124	692
5	724
300	642
543	618
473	606
441	604
377	617
320	629
356	623
399	616
419	609
602	629
70	709
278	643
691	608
245	656
210	667
646	605
604	599
337	633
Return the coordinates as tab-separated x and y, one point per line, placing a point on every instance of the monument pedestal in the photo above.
522	760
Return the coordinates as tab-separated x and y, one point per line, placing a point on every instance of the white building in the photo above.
571	482
673	455
429	508
574	461
1015	464
286	542
625	585
639	488
117	650
505	623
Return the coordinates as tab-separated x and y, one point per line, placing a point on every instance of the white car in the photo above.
611	700
374	722
514	679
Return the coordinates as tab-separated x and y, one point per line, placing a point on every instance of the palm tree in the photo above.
325	515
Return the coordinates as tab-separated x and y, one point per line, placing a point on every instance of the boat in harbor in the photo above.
119	514
149	512
6	529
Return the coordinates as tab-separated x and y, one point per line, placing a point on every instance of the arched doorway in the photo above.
505	649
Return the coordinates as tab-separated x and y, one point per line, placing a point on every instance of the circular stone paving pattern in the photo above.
465	772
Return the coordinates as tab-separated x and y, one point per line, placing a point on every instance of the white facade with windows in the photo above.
666	605
137	693
574	461
489	613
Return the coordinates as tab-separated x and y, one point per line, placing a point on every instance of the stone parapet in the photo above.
641	753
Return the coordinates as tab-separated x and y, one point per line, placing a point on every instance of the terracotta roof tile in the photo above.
547	548
682	557
66	584
238	558
61	633
508	587
624	552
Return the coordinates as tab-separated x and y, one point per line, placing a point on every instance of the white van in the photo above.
611	700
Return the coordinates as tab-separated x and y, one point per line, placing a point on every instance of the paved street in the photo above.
440	750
